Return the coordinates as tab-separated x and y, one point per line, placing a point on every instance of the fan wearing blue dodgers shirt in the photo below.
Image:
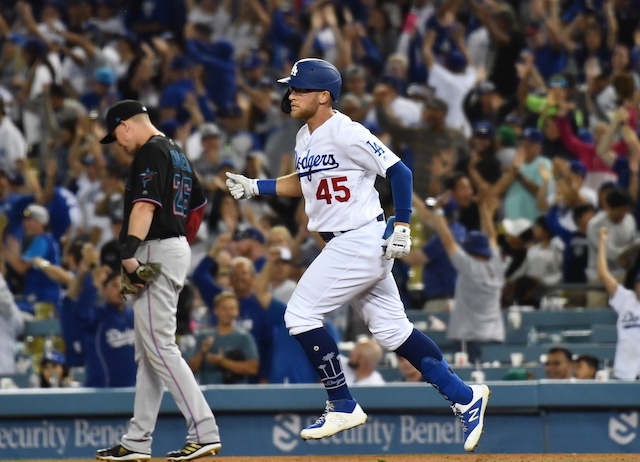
38	287
109	338
164	206
337	161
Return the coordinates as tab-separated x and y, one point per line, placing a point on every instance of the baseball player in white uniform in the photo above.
337	161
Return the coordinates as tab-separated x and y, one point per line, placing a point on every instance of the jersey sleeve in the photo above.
367	151
150	170
198	198
621	298
461	261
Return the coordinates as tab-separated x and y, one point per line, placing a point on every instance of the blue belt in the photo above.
326	236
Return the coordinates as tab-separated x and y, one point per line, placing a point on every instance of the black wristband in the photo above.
130	247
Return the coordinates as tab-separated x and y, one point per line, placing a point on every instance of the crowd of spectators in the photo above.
519	117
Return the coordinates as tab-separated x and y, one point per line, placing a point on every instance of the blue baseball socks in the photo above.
425	356
322	351
342	412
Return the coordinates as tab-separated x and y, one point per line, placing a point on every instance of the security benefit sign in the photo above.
601	432
268	434
79	438
53	439
398	434
264	434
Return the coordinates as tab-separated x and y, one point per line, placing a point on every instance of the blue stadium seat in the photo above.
604	333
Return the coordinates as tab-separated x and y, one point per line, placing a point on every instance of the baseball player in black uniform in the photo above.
164	206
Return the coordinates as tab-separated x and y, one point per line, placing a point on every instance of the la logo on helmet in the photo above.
294	70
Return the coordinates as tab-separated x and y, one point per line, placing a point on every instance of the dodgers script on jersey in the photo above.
337	165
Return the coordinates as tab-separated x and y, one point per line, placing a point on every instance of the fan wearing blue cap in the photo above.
576	244
253	70
483	103
451	79
476	319
101	91
483	158
52	369
576	177
250	244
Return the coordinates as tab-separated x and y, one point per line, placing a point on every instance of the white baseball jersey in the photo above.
337	165
626	365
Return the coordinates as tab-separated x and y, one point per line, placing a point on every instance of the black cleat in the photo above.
192	451
119	452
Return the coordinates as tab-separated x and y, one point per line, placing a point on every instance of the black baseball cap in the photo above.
120	111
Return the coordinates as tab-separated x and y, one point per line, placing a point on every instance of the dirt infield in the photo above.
422	458
447	458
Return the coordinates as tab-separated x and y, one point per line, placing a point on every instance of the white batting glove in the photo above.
399	243
242	187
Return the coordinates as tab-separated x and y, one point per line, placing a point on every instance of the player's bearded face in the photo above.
305	106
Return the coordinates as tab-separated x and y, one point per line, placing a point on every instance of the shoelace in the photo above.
459	415
328	408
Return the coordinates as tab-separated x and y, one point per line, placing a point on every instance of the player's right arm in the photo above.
288	185
242	187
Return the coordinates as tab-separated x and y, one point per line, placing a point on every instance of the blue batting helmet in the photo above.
312	74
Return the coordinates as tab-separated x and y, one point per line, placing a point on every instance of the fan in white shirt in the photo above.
407	111
626	364
13	146
451	81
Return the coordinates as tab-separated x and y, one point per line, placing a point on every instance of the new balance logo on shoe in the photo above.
472	416
337	419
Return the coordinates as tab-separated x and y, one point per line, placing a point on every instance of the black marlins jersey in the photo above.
162	175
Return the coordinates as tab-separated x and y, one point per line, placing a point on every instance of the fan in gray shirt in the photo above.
476	318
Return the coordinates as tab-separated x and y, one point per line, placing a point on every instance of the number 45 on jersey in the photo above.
333	188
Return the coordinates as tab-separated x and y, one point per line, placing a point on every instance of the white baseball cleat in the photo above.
472	416
338	416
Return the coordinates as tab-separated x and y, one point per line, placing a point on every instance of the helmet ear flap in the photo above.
285	104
